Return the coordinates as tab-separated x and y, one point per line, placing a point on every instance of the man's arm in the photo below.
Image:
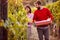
50	15
43	22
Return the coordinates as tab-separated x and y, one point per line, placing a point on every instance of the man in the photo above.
42	18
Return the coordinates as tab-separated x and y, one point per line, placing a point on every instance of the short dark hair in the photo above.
29	8
38	2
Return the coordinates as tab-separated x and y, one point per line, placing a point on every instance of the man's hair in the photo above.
38	2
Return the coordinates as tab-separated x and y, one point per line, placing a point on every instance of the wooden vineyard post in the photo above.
3	17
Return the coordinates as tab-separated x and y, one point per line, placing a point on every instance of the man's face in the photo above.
37	6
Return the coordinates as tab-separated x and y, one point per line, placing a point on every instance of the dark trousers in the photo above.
43	31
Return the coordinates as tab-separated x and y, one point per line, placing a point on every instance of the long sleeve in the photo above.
50	14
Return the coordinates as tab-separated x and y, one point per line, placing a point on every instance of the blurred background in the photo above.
13	20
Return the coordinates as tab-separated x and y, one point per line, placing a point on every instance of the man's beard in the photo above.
38	8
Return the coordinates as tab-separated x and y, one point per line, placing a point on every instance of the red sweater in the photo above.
42	14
